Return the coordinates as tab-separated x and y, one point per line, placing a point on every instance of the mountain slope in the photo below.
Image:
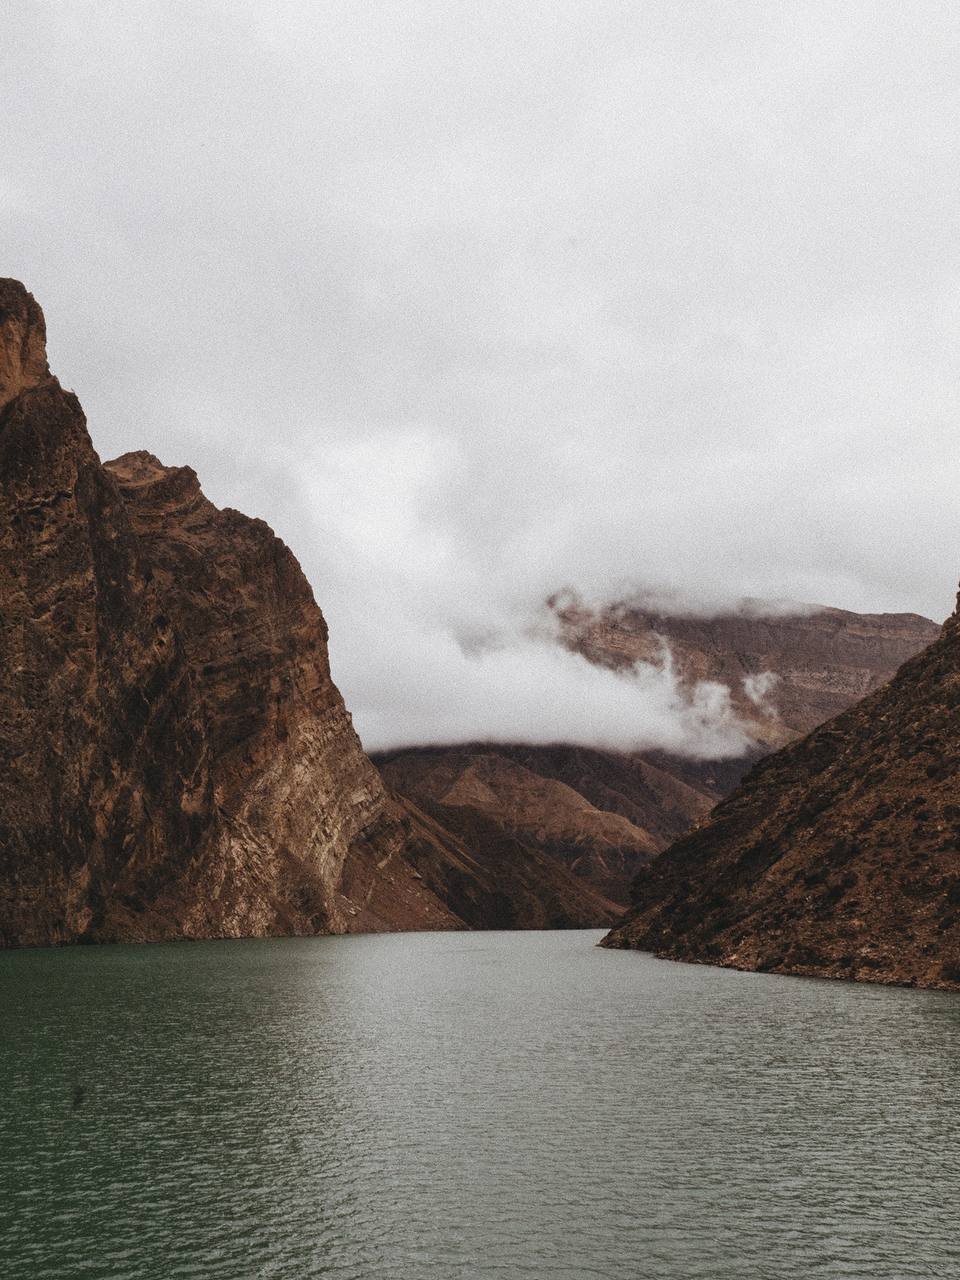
597	814
493	878
838	856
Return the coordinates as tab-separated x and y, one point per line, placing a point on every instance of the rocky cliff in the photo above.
175	760
838	856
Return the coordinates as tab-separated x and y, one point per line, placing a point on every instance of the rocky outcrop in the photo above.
175	760
23	342
838	856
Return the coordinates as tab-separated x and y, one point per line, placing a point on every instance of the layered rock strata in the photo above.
597	815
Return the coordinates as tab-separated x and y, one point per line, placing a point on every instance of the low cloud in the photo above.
438	646
529	689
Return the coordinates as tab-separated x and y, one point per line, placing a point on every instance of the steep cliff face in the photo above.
174	757
838	856
786	673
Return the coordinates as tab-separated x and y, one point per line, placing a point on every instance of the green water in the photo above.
468	1105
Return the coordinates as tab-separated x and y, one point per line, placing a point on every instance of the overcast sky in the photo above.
475	301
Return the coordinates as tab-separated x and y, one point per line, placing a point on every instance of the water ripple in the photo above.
441	1106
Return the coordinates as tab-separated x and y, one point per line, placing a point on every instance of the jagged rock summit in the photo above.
175	760
839	856
23	342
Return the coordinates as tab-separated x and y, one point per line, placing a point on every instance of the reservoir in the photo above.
438	1106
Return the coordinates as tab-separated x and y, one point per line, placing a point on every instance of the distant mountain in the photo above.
786	672
838	856
602	815
596	815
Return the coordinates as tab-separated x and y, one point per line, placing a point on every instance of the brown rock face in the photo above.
838	856
174	757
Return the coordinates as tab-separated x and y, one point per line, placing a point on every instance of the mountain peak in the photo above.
23	341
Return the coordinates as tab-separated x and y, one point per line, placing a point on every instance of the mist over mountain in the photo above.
604	813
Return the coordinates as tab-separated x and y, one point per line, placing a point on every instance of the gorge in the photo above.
177	761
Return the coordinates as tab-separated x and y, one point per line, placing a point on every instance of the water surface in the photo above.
436	1106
